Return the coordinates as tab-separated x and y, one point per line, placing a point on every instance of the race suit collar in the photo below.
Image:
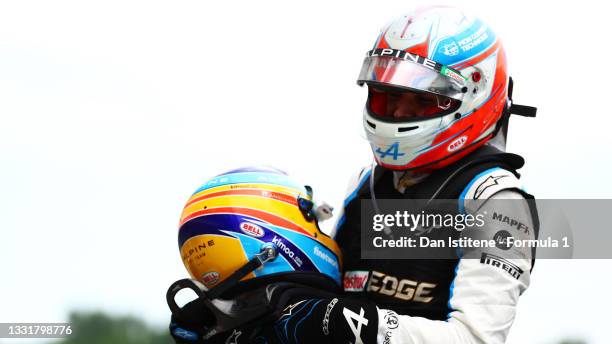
405	179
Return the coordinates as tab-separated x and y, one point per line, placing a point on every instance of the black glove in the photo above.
193	327
247	318
196	330
321	321
336	320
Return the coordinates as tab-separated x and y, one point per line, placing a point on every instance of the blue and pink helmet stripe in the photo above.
248	175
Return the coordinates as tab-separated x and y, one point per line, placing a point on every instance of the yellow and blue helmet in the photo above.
231	220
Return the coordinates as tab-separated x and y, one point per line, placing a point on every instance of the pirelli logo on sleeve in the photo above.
501	263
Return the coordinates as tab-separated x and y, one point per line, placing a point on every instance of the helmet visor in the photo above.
397	104
399	68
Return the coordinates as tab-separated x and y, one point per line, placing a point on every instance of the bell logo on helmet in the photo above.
458	143
252	229
210	278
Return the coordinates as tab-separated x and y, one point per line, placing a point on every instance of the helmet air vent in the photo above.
405	129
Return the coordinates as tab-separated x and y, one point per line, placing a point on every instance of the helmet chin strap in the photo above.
219	317
267	254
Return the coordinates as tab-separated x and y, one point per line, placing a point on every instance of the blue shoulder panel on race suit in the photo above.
355	185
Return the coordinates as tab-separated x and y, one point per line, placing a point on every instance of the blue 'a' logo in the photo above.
392	150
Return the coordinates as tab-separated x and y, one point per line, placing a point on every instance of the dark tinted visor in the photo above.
396	104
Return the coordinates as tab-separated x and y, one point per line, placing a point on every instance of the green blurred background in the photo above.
102	328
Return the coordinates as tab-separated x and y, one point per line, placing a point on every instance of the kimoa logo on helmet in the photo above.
286	250
252	229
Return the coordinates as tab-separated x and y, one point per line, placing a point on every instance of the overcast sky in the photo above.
113	112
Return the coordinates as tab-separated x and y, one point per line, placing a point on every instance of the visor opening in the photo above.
396	104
